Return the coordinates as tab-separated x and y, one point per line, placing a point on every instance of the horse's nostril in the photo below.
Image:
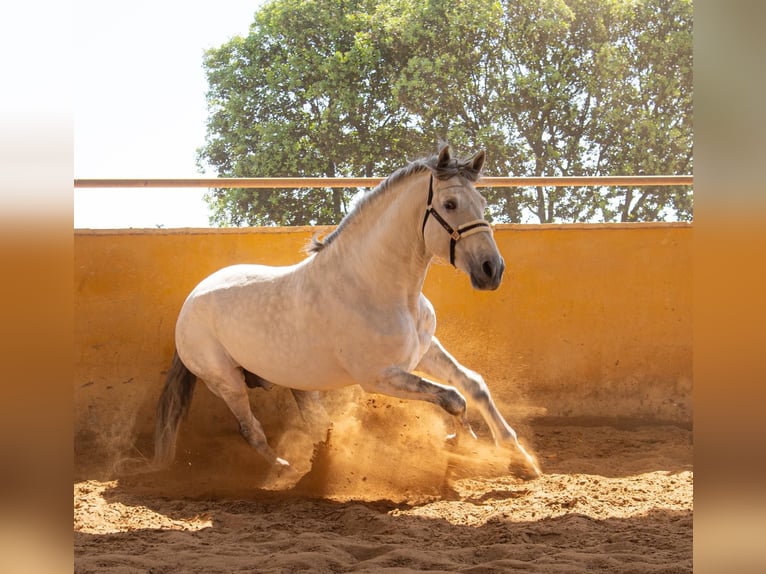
488	268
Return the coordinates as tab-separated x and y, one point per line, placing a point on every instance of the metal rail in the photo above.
298	182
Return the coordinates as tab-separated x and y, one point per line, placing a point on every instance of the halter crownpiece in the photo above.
463	230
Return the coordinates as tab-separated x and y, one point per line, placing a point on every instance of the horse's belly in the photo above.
311	380
296	370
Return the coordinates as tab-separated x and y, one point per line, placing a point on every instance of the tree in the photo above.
547	87
643	122
306	93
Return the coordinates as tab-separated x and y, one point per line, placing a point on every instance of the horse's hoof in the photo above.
527	469
282	475
284	469
530	473
450	441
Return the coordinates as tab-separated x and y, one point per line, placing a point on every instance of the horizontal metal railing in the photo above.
298	182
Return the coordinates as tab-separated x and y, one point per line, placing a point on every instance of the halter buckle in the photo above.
455	235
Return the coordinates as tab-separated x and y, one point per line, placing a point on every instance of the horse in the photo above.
351	312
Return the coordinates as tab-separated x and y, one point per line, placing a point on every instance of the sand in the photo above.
384	495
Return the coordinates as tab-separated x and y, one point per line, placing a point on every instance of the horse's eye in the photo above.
450	205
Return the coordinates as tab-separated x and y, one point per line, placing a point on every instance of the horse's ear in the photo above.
444	157
477	161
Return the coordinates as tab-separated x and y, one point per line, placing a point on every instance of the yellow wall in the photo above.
591	320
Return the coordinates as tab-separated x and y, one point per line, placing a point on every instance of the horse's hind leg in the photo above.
231	388
439	363
313	412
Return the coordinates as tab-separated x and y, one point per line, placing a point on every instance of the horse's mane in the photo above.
455	166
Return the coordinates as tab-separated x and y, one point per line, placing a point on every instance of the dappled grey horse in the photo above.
352	312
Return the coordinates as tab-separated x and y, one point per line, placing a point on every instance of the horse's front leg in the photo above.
396	382
439	363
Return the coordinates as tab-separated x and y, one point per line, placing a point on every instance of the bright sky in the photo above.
139	99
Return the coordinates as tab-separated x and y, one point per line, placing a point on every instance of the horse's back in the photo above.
239	276
243	292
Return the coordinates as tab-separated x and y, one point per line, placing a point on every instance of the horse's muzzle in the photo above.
488	275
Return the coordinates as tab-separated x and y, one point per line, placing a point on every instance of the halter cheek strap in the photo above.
463	230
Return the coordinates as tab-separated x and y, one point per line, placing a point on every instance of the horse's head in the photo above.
454	228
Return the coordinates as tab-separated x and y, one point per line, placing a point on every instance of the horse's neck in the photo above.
383	251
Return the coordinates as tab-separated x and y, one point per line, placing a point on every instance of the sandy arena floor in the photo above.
615	497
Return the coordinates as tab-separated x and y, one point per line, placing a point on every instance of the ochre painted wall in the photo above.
591	320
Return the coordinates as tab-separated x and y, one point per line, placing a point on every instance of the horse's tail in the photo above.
172	407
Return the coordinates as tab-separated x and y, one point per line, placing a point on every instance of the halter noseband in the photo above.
464	230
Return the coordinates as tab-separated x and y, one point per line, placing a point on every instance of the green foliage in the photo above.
547	87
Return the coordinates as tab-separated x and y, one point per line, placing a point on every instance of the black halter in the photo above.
469	228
